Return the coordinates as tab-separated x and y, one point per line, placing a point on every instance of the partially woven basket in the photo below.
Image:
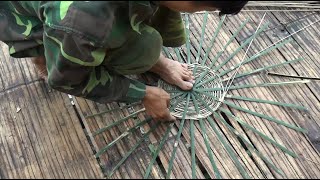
191	112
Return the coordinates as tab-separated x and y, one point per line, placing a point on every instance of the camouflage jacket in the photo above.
74	36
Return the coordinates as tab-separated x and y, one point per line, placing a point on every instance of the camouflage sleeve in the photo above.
73	68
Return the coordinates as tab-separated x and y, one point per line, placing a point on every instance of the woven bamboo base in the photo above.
191	111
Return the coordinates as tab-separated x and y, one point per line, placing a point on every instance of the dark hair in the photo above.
226	7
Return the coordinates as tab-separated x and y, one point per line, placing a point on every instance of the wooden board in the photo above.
132	168
294	98
40	135
303	46
306	166
306	45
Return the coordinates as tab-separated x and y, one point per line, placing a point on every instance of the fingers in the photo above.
168	102
172	118
156	102
168	116
164	115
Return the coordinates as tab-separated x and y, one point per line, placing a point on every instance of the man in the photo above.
86	48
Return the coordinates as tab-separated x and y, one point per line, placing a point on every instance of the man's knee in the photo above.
139	54
152	49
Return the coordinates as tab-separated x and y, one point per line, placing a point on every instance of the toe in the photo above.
186	73
184	65
185	85
187	77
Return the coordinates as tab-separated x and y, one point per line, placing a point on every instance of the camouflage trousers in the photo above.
137	55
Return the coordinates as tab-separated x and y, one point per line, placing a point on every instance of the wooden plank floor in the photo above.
44	138
305	44
40	134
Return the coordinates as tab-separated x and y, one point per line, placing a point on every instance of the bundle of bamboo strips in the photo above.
253	6
288	5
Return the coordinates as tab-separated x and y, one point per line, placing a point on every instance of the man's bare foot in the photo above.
40	63
174	73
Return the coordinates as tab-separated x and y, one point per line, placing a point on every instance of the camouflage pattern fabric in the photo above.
91	46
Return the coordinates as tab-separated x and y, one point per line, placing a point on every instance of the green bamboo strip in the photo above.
117	122
228	113
265	68
229	42
256	100
258	114
253	85
176	95
228	148
205	18
236	33
280	45
223	49
292	76
144	138
222	140
125	134
266	101
255	33
235	132
111	110
204	24
206	141
167	52
241	46
173	155
266	117
175	91
178	101
210	95
188	38
176	50
193	152
195	103
156	153
246	61
213	40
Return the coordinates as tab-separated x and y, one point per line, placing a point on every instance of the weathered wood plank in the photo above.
132	168
243	38
40	148
302	96
222	39
182	163
8	66
304	46
43	138
180	166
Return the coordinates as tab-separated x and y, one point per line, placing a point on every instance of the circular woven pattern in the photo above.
180	100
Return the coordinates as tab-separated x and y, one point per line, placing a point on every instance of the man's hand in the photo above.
156	102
